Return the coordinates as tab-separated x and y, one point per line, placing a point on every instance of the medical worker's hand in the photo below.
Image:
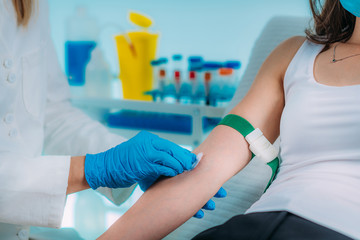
210	205
143	159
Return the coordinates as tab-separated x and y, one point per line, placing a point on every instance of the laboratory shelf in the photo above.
99	108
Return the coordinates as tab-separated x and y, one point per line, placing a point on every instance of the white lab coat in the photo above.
39	128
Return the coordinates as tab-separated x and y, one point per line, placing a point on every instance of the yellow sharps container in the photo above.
136	50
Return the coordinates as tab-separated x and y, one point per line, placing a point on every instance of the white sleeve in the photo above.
33	196
68	131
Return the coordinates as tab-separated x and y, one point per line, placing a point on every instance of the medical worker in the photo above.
48	148
307	92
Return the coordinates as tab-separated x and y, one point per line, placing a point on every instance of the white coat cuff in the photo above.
60	184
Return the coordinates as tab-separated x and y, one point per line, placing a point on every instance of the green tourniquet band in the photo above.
238	123
274	165
244	128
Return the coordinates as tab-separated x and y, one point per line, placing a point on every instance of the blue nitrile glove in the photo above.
135	160
210	205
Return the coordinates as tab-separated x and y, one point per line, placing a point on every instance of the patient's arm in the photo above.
171	202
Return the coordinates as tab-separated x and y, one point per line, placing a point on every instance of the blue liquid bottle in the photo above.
77	55
82	32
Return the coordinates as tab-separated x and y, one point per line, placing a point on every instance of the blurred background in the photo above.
217	30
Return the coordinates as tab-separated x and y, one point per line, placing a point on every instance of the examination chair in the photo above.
248	185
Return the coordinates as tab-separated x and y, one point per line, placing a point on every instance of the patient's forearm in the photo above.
171	202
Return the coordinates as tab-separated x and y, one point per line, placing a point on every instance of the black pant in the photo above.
269	225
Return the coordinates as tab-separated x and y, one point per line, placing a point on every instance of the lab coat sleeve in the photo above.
26	198
68	131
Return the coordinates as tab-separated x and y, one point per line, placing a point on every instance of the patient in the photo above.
308	93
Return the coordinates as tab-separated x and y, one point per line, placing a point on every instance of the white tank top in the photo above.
319	177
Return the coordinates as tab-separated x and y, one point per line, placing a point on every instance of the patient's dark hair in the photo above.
332	23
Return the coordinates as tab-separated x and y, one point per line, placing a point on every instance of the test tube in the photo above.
207	81
185	96
192	80
227	87
169	95
177	71
162	73
169	91
155	68
195	76
212	81
199	97
156	89
195	61
235	66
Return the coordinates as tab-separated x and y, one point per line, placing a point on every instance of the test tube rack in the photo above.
97	108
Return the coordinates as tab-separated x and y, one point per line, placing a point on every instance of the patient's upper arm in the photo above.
262	107
263	104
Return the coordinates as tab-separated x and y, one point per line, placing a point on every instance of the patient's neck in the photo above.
355	38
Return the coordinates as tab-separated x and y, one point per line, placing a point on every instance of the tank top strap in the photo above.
301	67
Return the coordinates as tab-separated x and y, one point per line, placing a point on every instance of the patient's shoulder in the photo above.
285	52
294	41
290	46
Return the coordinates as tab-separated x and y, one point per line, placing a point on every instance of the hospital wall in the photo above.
216	30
